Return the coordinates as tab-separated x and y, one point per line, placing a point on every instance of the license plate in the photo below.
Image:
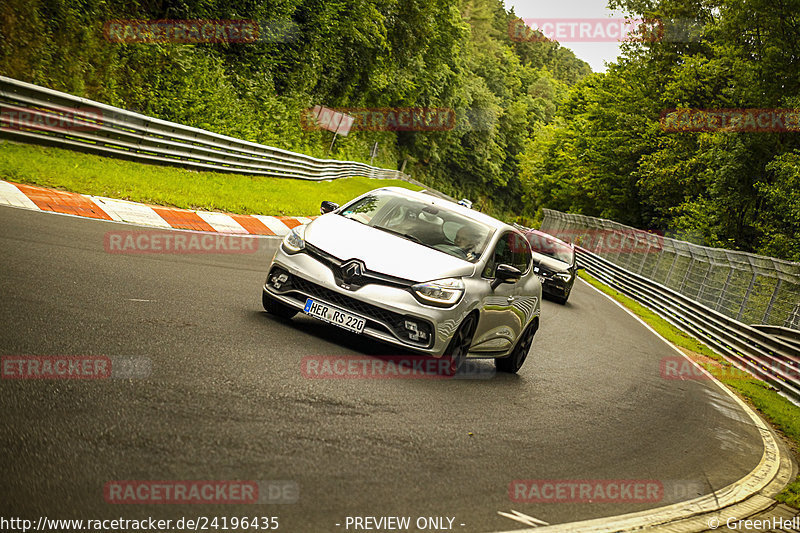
541	279
334	315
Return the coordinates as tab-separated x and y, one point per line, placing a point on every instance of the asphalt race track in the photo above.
225	399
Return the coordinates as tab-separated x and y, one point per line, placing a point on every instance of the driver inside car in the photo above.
467	239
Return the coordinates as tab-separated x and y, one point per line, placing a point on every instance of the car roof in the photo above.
550	237
452	206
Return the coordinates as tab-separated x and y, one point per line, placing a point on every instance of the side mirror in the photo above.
505	274
327	207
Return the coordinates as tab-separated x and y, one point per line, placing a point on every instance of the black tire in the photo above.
459	345
515	360
274	307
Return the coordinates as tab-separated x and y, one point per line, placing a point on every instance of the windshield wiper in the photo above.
401	234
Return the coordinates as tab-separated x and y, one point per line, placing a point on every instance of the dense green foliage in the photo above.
606	154
342	53
535	128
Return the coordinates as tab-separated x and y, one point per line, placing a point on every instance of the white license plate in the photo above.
334	315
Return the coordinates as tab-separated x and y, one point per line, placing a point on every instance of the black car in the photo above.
554	263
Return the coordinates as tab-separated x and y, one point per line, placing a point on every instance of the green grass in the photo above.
172	186
780	412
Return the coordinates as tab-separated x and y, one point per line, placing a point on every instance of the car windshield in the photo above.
422	222
547	245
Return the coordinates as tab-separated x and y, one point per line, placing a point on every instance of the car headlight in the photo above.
442	292
295	240
564	276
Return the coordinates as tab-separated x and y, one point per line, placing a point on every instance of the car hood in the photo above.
550	263
381	251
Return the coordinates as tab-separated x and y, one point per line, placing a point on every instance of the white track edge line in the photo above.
766	470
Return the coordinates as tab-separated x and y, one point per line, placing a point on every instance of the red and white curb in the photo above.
98	207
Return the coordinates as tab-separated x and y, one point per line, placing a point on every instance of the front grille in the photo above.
341	300
375	315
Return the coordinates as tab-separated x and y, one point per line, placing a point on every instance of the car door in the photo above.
501	320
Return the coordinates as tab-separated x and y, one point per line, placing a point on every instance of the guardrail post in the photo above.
746	297
644	260
703	283
724	289
658	262
774	297
619	248
671	267
685	276
793	320
630	249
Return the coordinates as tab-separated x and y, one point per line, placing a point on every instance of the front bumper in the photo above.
387	309
557	287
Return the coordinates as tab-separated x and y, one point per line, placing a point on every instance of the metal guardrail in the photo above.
762	355
757	350
792	336
749	288
33	114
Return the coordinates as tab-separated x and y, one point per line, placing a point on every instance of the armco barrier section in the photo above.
33	114
749	288
761	354
769	353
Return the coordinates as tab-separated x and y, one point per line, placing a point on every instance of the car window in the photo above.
366	208
430	225
520	252
512	249
546	245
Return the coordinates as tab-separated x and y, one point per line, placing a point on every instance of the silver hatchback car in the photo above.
412	270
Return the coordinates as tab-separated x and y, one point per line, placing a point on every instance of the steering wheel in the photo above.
452	250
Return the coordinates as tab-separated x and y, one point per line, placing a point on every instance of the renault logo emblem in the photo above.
352	270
